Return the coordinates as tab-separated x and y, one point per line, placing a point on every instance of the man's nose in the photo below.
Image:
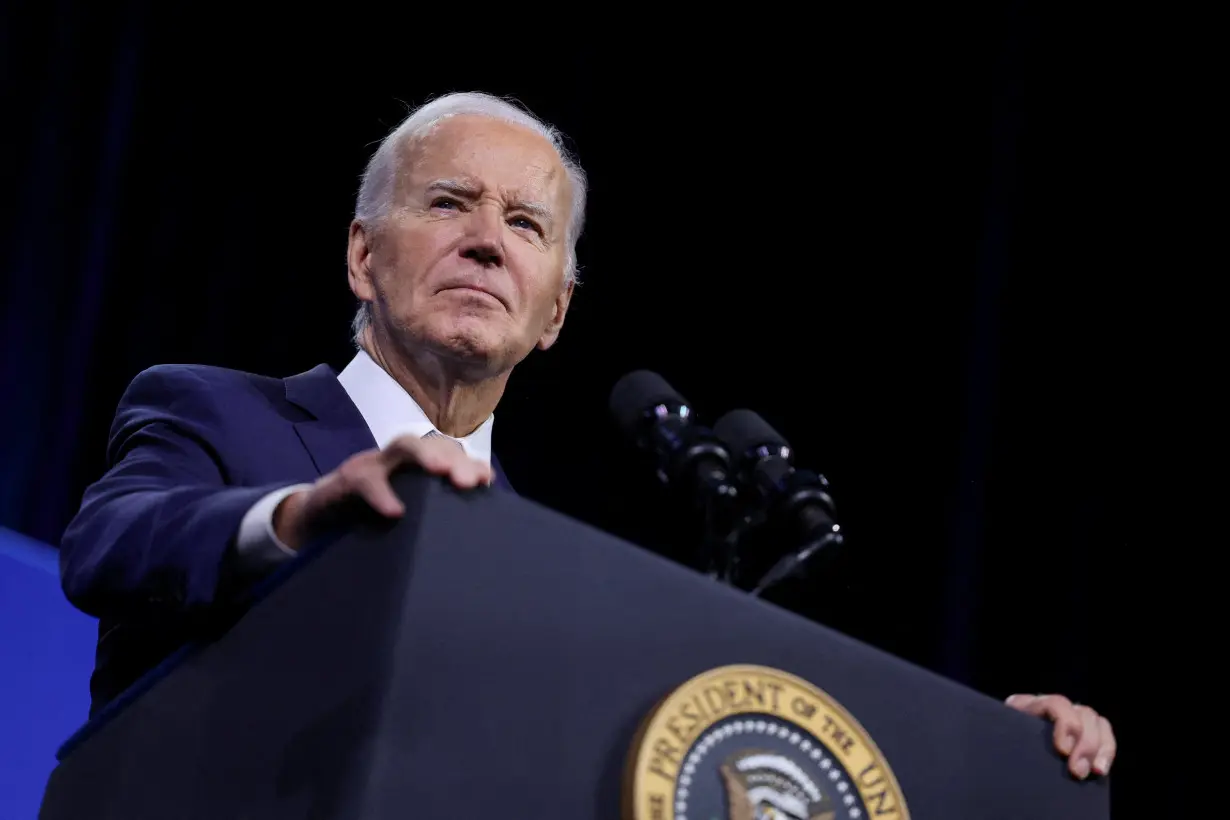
484	241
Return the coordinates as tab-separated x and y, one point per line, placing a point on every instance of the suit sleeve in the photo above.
157	531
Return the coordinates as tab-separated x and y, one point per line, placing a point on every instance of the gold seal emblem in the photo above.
754	743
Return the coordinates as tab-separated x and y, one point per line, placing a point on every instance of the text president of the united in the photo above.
462	254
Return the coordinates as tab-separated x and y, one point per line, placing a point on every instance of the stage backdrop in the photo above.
909	235
46	655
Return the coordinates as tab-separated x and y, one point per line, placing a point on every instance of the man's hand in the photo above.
365	476
1081	734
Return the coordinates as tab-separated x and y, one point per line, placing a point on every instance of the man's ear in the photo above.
358	262
551	333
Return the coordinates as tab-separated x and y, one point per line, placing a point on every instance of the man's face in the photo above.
469	262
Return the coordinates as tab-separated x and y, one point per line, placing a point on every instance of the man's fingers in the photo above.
1042	705
326	493
1087	743
365	476
1106	752
373	487
439	457
1068	725
1080	733
468	473
444	459
402	450
435	455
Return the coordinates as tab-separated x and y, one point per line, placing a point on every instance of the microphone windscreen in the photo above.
744	430
635	393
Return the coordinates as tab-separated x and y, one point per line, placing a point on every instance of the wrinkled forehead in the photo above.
502	157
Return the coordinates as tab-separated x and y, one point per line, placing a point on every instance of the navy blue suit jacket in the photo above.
191	449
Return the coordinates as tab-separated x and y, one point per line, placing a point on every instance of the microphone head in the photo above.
637	392
745	432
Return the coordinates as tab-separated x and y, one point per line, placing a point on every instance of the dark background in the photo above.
923	242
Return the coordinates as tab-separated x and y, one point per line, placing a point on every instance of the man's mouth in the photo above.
476	289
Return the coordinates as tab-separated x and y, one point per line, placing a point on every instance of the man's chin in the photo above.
473	349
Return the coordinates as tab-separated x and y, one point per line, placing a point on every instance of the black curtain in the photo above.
904	235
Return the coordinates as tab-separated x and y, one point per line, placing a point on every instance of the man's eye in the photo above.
525	224
445	202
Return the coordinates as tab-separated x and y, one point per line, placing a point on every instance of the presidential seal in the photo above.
753	743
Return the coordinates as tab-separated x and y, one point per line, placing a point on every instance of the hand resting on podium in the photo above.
1081	734
365	476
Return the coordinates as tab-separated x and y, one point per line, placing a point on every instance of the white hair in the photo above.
377	190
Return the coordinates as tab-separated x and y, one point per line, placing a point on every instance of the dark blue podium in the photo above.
487	657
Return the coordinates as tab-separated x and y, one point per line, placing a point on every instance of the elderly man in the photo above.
462	255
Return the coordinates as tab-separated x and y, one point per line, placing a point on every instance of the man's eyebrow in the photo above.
456	187
537	209
468	190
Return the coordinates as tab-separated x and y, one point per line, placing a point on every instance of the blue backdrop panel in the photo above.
46	655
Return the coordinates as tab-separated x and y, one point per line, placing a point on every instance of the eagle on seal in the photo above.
769	786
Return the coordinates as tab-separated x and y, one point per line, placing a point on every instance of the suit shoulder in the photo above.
185	386
199	377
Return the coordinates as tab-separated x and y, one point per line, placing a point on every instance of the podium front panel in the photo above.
489	657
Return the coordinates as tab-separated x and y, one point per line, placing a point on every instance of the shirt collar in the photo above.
390	411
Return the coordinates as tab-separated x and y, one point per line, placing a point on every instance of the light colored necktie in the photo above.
438	434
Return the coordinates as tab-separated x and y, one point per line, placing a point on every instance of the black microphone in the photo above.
660	421
687	456
798	501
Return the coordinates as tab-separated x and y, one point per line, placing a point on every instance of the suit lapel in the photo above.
338	430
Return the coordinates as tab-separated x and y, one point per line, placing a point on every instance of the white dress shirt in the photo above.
390	413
